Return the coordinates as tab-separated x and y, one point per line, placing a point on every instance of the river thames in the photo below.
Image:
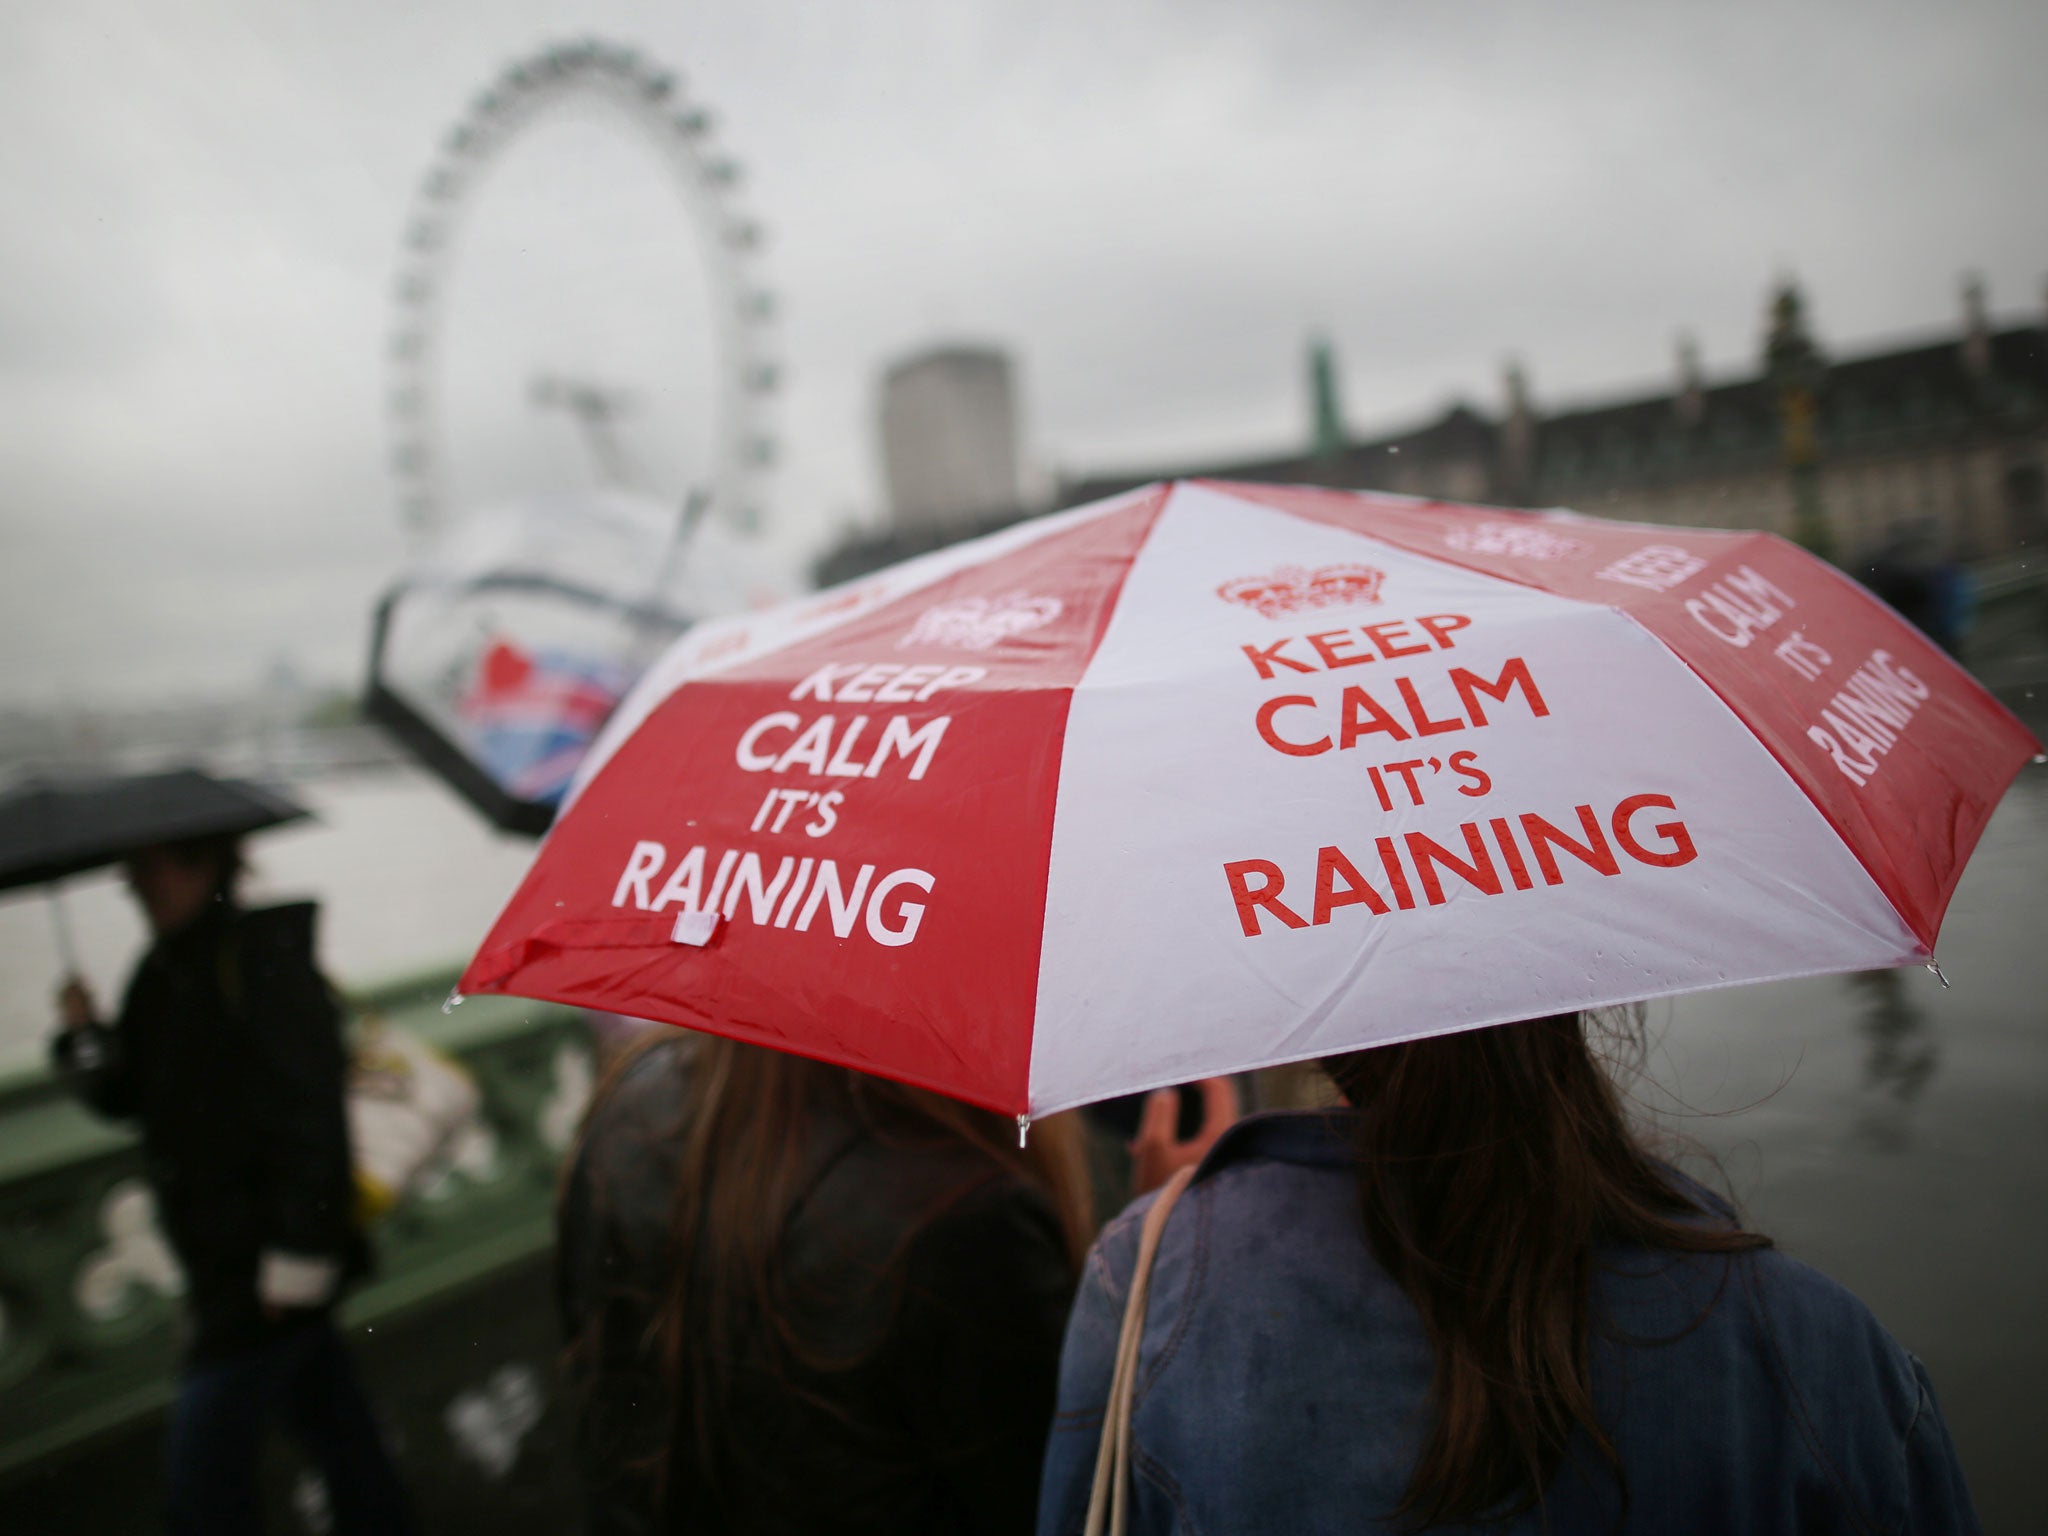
1882	1128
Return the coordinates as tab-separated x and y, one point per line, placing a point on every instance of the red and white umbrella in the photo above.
1210	776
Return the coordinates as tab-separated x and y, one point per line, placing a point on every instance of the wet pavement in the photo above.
1895	1135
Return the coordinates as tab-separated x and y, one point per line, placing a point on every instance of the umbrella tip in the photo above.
455	1000
1935	967
1023	1128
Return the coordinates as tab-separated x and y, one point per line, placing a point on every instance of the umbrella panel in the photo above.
51	829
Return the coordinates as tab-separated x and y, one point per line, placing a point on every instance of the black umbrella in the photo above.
51	828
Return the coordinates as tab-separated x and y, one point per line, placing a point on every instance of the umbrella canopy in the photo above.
51	828
495	660
1211	777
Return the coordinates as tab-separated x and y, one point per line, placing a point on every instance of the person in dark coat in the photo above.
1471	1300
227	1053
801	1299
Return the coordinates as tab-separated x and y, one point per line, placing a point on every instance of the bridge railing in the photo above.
89	1293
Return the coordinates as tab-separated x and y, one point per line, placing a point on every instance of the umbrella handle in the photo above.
60	920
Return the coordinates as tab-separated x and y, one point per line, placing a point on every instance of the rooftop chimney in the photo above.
1327	426
1976	329
1517	437
1691	400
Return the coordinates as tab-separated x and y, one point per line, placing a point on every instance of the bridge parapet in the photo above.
89	1292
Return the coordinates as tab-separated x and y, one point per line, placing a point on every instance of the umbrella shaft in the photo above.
60	920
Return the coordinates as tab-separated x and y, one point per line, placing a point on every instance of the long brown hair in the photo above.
749	1157
1490	1165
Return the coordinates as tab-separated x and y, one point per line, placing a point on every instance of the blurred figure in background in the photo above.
228	1054
802	1299
1929	592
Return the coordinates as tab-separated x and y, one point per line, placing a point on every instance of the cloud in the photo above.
1154	204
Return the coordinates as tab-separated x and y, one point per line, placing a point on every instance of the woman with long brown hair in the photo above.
1471	1298
804	1299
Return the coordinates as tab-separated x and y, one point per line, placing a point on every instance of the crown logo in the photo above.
1296	589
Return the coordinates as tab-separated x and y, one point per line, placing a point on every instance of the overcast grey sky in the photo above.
1151	203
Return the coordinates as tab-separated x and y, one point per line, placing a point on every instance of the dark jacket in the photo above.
1284	1378
925	1289
228	1053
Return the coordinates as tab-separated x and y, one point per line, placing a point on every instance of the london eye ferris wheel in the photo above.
618	84
523	619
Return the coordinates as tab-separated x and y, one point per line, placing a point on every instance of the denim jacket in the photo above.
1284	1378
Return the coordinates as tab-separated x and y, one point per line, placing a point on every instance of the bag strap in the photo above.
1113	1457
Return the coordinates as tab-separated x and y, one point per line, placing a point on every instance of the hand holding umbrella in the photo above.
1158	1151
76	1015
74	1003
